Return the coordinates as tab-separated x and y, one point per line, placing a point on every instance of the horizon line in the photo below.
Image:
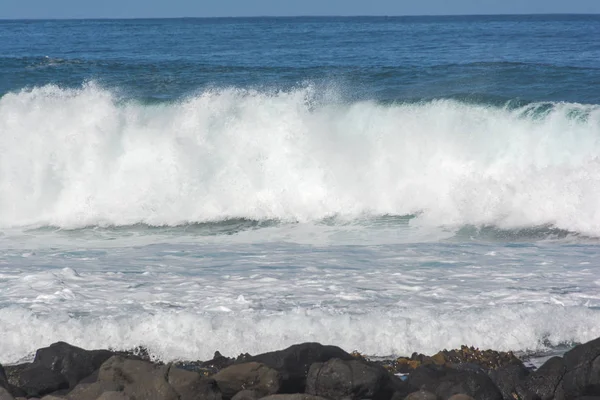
295	16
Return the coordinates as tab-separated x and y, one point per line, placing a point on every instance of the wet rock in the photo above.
139	379
293	363
421	395
137	353
352	379
582	377
508	377
210	367
446	382
72	362
37	380
191	385
252	375
544	382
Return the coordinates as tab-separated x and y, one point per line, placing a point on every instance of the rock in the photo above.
91	391
353	379
12	373
209	367
140	379
446	382
544	382
114	396
3	378
37	380
5	395
421	395
293	363
295	396
52	397
246	395
582	377
193	386
507	378
72	362
252	375
484	359
461	397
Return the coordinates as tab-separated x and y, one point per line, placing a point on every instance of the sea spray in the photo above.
81	157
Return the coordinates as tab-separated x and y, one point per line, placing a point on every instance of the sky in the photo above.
15	9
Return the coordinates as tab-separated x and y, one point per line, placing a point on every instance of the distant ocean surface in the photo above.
388	185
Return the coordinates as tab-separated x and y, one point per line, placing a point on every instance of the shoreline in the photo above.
306	371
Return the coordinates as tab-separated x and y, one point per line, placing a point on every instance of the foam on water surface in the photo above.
246	221
186	301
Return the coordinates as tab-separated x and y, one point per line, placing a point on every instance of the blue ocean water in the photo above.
387	184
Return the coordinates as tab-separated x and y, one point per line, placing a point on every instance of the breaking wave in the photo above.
73	158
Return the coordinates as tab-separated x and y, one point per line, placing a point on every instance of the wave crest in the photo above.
81	157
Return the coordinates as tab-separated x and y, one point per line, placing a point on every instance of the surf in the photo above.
87	156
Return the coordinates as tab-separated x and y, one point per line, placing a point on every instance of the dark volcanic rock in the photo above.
507	378
252	375
113	396
293	363
544	382
14	371
191	385
352	379
5	394
209	367
461	397
246	395
91	391
420	395
72	362
295	396
583	370
37	380
3	378
445	382
139	379
458	358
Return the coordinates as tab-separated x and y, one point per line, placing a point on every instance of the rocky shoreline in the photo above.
307	371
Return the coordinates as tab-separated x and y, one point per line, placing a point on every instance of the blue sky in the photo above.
212	8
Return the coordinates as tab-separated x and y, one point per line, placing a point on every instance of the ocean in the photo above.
389	185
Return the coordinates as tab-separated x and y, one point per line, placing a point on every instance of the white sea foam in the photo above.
190	336
186	301
80	157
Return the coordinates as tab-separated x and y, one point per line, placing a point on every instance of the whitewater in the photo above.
247	220
83	157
